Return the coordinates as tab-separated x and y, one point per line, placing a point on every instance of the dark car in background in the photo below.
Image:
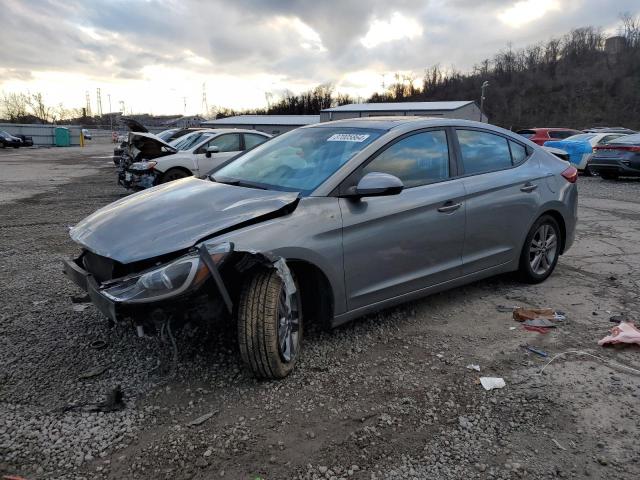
26	141
541	135
618	158
8	140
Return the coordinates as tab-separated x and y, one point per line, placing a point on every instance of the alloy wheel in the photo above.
543	249
288	326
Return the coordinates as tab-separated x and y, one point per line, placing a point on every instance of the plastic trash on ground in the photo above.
625	332
490	383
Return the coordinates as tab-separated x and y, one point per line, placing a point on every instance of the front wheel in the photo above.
269	326
540	251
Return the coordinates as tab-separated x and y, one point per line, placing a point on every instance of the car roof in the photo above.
391	122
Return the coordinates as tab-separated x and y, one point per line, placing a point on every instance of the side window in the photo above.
226	143
416	160
560	134
607	139
483	151
251	140
518	152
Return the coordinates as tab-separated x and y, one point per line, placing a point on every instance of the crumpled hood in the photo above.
172	217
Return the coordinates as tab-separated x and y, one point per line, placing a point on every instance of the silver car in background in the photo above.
328	223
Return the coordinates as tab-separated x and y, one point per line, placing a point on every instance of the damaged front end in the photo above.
201	284
136	162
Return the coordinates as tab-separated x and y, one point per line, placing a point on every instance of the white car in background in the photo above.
579	148
193	154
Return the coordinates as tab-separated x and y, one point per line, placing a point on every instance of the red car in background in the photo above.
541	135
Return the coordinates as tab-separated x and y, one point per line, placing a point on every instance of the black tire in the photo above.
587	171
259	320
173	174
531	251
609	176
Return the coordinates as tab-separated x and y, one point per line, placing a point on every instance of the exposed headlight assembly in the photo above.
167	280
142	166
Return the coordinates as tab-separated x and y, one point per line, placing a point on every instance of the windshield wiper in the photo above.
239	183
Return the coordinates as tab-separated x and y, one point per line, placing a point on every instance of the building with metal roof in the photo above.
271	124
467	110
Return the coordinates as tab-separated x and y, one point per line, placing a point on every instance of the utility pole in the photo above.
205	105
110	113
88	106
122	106
99	102
485	85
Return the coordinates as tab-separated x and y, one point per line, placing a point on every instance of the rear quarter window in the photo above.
483	151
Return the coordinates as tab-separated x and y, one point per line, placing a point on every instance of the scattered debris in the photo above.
581	352
473	366
618	318
624	332
535	350
94	372
536	329
558	444
522	314
81	299
539	322
512	328
489	383
39	302
13	477
80	307
112	403
202	419
505	309
98	344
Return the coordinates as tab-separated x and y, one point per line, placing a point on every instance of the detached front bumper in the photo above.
85	280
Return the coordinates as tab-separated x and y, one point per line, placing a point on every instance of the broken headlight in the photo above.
142	166
166	281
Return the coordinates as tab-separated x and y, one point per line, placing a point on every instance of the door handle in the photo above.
528	187
449	207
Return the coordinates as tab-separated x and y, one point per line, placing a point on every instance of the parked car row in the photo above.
322	224
610	152
146	160
15	141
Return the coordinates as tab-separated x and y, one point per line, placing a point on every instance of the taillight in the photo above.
570	174
624	148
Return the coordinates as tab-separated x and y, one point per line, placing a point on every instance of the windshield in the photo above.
299	160
526	133
580	137
627	139
4	134
191	140
166	134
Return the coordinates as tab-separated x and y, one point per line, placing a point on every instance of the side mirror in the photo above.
211	149
377	184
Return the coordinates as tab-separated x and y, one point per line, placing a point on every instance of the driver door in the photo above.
228	145
397	244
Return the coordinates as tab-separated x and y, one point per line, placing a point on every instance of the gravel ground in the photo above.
386	397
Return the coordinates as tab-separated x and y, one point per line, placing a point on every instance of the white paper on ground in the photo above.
489	383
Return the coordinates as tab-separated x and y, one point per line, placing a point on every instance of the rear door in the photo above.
397	244
253	140
503	190
229	145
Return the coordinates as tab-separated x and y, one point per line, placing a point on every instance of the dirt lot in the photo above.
388	396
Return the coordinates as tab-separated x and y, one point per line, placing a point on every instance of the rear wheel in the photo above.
174	174
609	176
269	326
541	250
587	171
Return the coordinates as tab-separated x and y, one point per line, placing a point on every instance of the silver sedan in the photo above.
325	224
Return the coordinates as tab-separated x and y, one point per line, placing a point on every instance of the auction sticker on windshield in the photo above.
348	137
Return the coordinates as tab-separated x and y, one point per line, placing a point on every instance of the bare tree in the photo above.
38	107
14	106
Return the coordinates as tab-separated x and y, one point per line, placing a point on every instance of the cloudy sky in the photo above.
156	55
